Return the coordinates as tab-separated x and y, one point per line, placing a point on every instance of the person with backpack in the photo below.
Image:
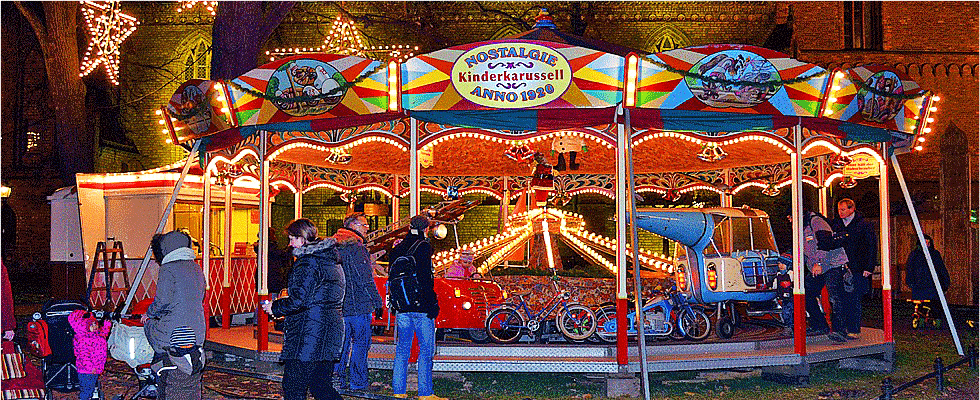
413	299
825	261
314	327
360	299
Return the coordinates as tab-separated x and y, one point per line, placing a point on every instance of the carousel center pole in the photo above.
413	169
261	281
922	243
225	302
298	196
622	141
884	213
206	236
799	321
163	221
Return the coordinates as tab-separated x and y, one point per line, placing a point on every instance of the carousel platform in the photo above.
774	353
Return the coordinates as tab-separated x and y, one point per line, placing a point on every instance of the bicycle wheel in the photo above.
694	323
605	324
576	322
504	325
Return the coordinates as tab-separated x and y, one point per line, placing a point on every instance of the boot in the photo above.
571	161
560	165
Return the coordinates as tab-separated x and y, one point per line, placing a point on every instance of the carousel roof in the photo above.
481	108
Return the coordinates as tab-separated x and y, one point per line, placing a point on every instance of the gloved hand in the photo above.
379	313
433	313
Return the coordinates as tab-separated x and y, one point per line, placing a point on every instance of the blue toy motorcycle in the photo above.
666	314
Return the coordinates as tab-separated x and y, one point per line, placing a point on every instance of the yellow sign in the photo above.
862	166
511	75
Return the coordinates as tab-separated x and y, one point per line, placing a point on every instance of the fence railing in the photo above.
938	372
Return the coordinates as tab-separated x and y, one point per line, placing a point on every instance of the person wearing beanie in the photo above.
178	303
313	330
416	321
361	298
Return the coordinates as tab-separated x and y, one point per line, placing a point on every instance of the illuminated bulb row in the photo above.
107	31
189	4
282	149
675	135
481	191
650	259
369	139
929	120
496	257
588	250
374	188
607	242
761	138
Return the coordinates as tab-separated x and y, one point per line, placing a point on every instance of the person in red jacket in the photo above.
9	322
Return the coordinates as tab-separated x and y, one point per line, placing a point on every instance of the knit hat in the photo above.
419	223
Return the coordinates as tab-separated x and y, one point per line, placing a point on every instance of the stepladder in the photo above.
112	262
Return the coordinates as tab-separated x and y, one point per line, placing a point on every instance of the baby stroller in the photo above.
127	343
50	336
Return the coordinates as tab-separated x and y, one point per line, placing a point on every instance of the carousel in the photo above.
545	116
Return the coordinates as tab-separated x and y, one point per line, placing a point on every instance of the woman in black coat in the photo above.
314	325
917	274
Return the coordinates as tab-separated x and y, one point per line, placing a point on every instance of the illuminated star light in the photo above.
108	27
189	4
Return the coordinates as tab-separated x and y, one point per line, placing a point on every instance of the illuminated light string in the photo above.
108	27
515	142
189	4
697	141
344	38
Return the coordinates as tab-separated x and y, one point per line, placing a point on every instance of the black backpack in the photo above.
404	291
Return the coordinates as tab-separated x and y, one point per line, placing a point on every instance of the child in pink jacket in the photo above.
90	350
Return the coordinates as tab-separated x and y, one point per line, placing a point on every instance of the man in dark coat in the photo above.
178	304
861	244
417	321
314	326
917	274
360	299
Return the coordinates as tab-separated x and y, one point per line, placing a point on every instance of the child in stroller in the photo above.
50	337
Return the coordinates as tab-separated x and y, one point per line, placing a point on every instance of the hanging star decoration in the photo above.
108	27
186	5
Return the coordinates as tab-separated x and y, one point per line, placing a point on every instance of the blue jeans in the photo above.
409	325
357	341
87	384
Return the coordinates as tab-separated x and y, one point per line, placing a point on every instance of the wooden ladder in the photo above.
113	262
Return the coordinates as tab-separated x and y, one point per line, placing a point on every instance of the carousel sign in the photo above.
511	75
862	165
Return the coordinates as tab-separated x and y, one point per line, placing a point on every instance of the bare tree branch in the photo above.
35	22
274	16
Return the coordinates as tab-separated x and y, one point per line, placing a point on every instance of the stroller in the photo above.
50	337
127	343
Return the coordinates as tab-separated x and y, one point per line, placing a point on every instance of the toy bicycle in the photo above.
921	317
507	323
664	313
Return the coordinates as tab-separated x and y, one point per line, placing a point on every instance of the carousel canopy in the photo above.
482	108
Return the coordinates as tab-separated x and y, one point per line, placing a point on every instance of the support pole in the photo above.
225	301
395	200
261	281
922	242
822	193
298	196
206	232
504	205
622	142
413	169
884	214
634	245
799	300
726	197
163	221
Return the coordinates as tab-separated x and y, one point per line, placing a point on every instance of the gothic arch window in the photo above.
667	38
509	30
194	57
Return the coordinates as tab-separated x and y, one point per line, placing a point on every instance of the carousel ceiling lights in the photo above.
344	38
108	27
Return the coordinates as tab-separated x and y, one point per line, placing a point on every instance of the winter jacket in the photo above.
423	271
918	277
90	347
179	299
9	322
819	247
361	295
314	325
861	244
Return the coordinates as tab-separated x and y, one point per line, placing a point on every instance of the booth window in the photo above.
862	25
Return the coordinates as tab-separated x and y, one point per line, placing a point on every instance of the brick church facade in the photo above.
935	43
